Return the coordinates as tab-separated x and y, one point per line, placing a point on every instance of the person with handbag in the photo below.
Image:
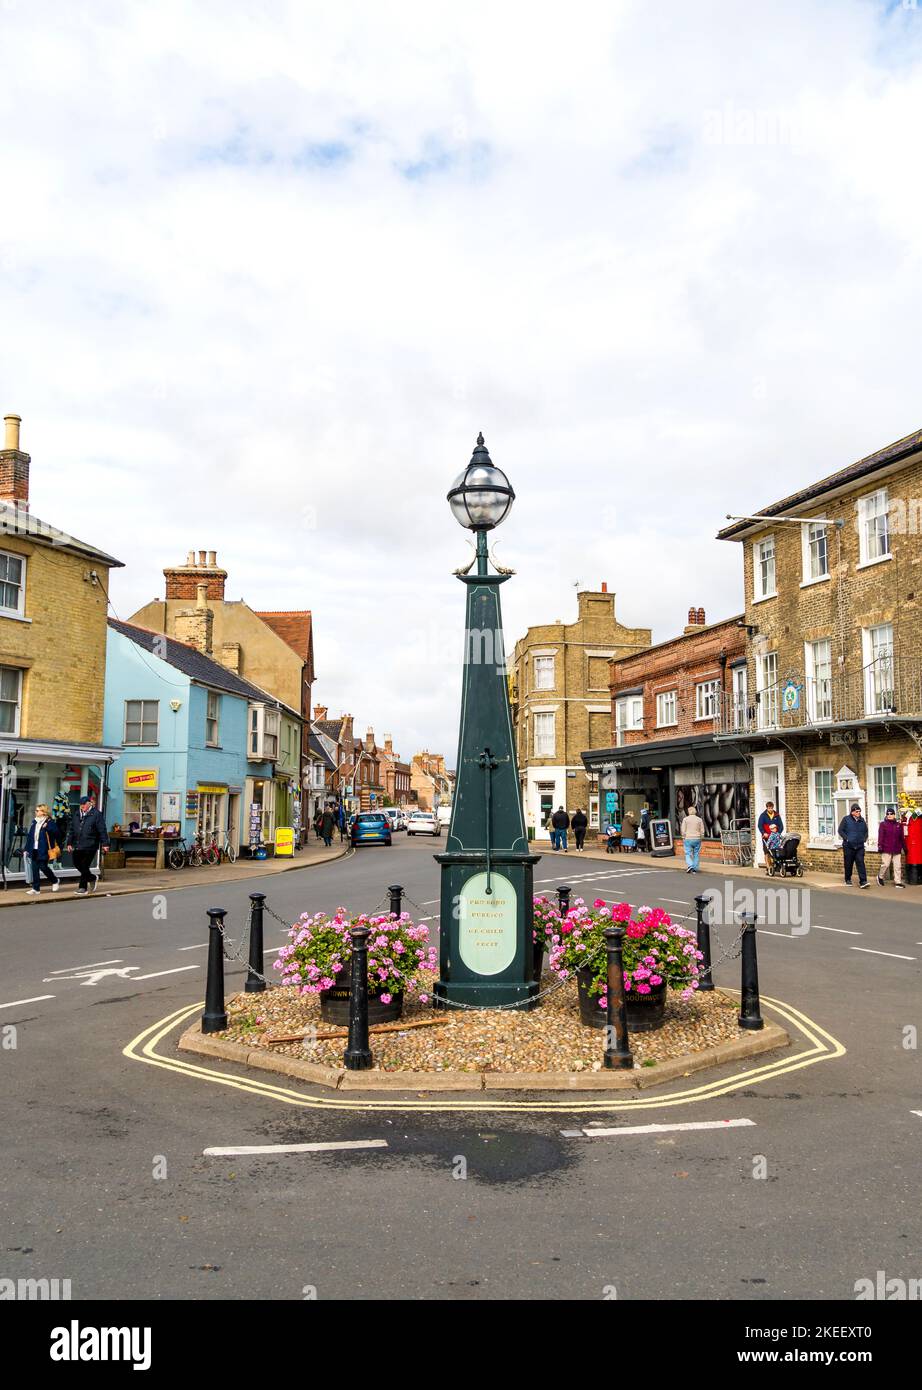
41	846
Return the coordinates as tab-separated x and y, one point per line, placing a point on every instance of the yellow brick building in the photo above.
561	704
828	708
53	600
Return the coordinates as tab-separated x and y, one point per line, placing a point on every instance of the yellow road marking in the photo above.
823	1048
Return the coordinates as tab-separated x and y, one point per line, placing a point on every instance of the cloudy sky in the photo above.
267	268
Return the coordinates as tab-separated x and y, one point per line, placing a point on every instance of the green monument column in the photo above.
486	954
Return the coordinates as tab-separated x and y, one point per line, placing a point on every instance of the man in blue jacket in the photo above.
853	832
86	835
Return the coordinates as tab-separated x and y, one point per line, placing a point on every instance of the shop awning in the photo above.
658	753
50	751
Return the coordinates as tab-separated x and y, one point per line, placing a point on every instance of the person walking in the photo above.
890	845
629	831
341	822
692	830
42	845
87	835
560	822
578	824
853	832
327	824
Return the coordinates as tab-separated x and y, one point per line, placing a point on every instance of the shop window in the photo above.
10	699
12	583
141	807
142	719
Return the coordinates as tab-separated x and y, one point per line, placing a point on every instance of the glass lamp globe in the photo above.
481	496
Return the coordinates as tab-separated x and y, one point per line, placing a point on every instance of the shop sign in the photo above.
661	834
284	840
211	790
140	779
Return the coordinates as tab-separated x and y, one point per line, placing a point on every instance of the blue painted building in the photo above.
200	744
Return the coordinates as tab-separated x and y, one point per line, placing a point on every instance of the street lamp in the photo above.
486	953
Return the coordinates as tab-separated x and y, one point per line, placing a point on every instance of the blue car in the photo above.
370	828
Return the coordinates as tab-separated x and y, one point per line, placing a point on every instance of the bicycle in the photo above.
211	852
228	850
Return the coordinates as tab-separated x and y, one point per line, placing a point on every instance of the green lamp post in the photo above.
486	954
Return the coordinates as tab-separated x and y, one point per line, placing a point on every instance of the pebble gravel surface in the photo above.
548	1038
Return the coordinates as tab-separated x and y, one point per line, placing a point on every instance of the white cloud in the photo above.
665	256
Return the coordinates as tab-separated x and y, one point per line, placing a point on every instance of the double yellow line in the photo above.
820	1047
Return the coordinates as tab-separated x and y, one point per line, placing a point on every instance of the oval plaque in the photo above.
487	924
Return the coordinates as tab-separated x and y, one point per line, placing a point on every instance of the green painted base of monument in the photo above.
486	950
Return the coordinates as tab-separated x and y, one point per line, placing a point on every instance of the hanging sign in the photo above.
790	696
487	924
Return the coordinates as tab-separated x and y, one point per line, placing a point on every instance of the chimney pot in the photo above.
692	617
701	617
201	599
190	558
212	558
201	557
604	587
11	431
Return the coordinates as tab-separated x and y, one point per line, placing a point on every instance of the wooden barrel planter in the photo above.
644	1011
334	1006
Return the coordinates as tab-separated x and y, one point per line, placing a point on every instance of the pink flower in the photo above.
386	998
656	979
599	902
424	999
642	989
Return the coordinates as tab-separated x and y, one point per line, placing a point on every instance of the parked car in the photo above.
444	813
423	823
396	817
370	828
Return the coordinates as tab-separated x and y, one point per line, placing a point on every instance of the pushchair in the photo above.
781	856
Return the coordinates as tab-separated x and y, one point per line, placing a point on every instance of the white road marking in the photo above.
429	902
273	950
92	977
915	1112
92	966
34	1000
177	970
785	935
655	1128
427	919
840	930
296	1148
200	947
868	952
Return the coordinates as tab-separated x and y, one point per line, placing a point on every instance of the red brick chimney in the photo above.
389	745
695	619
320	712
701	622
14	465
182	581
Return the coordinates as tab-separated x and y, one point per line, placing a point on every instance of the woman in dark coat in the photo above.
578	823
327	822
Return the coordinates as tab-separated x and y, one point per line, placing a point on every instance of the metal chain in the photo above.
238	954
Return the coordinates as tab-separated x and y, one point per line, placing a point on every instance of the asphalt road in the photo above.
106	1182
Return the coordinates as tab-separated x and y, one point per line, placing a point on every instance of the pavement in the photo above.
832	883
140	1173
115	882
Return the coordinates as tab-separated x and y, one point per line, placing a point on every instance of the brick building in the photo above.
395	775
430	781
661	750
561	704
829	707
53	633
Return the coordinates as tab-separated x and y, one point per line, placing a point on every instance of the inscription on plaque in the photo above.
487	924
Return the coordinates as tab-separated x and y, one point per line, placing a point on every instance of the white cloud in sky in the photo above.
268	268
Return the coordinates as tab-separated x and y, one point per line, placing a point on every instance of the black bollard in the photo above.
704	942
617	1046
357	1056
214	1019
750	1017
396	892
254	984
563	899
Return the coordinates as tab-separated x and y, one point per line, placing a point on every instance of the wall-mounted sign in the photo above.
284	841
487	924
611	802
140	779
256	823
170	806
211	790
191	805
790	696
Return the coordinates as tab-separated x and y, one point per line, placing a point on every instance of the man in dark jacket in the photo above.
560	824
853	832
86	835
769	822
578	824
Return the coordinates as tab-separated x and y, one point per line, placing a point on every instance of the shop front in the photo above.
260	821
34	772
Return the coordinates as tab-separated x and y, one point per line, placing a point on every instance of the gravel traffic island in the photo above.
547	1048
